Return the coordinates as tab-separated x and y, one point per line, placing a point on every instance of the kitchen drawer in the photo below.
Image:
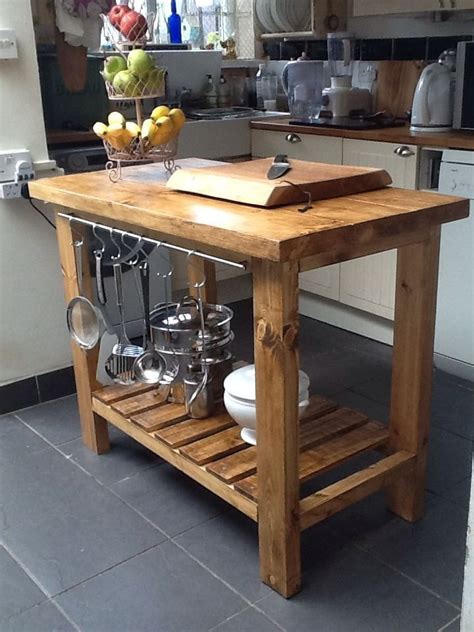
296	145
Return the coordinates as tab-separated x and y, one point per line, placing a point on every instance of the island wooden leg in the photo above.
94	429
276	359
415	309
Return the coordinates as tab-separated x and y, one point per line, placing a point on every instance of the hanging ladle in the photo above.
150	366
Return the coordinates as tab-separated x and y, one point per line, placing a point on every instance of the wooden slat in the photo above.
328	454
313	431
191	430
139	403
160	417
248	507
318	406
116	392
215	447
342	420
328	501
236	466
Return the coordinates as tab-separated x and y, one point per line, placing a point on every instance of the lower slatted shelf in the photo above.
212	452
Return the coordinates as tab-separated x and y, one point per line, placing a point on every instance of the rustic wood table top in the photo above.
141	201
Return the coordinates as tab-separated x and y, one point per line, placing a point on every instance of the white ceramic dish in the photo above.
244	413
239	399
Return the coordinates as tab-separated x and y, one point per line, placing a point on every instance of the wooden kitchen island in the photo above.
264	483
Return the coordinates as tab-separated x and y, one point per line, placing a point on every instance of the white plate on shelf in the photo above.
279	13
263	11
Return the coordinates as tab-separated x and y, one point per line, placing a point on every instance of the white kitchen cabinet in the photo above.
382	7
299	146
368	283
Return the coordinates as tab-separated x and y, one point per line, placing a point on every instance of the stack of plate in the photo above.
283	16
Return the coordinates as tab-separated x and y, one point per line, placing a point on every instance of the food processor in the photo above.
341	99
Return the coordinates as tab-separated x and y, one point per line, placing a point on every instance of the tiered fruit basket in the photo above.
130	74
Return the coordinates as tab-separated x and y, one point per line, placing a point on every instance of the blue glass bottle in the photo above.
174	25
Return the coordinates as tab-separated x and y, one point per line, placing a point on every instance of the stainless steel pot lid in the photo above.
185	317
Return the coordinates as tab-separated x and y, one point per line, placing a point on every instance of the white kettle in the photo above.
433	101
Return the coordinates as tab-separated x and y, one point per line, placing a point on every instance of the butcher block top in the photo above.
141	202
247	182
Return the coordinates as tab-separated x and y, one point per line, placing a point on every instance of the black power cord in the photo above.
25	193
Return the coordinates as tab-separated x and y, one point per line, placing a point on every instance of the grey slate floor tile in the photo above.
57	421
169	499
431	551
228	545
350	590
17	441
17	591
459	493
356	401
125	458
449	460
331	372
43	618
62	525
453	406
249	620
454	626
162	589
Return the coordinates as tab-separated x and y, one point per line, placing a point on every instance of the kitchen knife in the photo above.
279	167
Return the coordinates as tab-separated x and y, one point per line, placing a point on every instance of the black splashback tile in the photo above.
376	49
436	45
407	48
292	49
317	49
56	384
21	394
272	49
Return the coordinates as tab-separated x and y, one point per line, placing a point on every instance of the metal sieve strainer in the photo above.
82	317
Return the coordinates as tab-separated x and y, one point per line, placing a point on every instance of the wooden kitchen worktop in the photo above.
402	135
281	234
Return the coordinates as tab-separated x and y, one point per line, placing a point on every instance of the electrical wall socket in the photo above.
10	190
16	168
8	47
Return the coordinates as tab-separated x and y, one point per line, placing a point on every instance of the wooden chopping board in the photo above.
396	83
247	182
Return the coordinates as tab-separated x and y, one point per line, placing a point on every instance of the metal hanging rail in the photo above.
125	233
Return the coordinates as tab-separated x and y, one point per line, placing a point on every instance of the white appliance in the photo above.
434	96
341	98
454	336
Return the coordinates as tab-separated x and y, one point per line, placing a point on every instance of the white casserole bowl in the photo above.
239	399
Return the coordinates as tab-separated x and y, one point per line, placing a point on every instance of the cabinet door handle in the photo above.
441	4
293	138
403	151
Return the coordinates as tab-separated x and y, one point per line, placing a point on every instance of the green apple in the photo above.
112	66
127	83
140	63
155	81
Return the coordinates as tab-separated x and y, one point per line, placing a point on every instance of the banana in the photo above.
149	130
165	131
132	129
100	129
160	110
178	118
116	136
116	118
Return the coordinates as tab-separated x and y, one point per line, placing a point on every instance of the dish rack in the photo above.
137	151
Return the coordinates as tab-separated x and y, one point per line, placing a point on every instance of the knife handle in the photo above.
281	158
